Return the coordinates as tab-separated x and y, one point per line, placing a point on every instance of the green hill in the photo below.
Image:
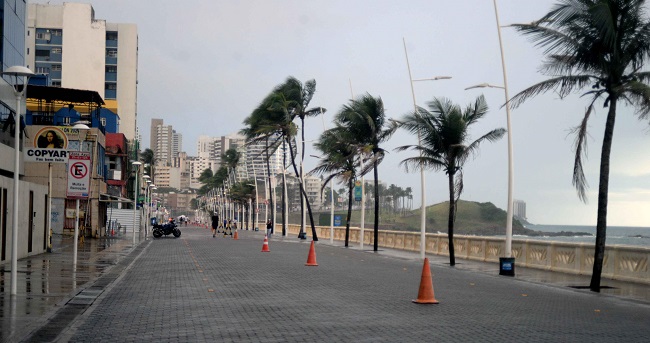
472	218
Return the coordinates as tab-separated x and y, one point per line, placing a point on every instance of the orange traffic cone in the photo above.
265	246
311	259
236	236
425	294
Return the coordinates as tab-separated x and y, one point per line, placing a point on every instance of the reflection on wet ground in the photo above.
47	281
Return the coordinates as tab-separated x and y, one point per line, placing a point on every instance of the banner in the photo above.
79	171
46	155
357	190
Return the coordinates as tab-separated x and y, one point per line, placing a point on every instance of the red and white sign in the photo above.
78	174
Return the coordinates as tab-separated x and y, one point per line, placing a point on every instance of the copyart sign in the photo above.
46	155
50	145
78	174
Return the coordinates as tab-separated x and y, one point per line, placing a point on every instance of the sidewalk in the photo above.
48	281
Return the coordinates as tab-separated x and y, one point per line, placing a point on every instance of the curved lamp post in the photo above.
423	203
136	164
16	73
509	214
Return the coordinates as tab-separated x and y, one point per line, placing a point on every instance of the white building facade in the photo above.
75	50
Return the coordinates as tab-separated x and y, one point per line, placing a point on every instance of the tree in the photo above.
338	161
364	120
603	44
148	157
444	130
275	115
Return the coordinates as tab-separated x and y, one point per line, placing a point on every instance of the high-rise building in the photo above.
519	207
165	143
75	50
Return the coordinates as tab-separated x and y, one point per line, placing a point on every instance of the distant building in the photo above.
519	209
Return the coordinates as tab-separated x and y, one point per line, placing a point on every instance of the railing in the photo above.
627	263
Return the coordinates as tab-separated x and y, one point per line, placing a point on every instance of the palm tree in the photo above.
148	158
338	161
444	146
364	120
602	44
275	115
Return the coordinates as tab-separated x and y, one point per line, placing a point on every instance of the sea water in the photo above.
616	235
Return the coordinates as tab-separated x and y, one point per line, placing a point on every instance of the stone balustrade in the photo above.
627	263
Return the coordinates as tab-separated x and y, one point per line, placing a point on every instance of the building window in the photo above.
111	52
56	50
58	84
56	67
111	86
111	69
43	54
111	35
56	32
42	70
43	35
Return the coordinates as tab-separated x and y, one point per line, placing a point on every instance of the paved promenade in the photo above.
202	289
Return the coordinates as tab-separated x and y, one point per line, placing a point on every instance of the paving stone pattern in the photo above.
202	289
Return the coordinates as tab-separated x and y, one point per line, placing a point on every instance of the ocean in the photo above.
616	235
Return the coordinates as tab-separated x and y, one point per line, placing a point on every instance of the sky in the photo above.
204	65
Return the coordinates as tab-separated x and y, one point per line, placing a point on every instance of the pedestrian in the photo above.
215	224
269	228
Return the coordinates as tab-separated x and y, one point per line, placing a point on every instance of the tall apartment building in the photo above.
165	142
76	50
519	209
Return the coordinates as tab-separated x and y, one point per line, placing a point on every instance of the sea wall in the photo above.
628	263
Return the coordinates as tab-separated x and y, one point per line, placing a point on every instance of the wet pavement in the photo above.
48	281
51	293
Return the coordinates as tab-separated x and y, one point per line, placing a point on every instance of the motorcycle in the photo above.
166	229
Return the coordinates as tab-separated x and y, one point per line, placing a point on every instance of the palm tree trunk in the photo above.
268	172
376	227
347	221
311	216
450	222
284	186
603	189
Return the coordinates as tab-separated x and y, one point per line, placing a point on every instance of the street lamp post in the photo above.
136	164
423	203
16	73
146	194
509	213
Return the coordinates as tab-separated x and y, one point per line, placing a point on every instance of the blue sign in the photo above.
357	190
337	220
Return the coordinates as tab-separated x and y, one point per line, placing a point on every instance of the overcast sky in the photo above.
205	64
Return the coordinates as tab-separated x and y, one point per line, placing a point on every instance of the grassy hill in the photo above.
472	218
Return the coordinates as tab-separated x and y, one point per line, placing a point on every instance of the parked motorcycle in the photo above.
166	229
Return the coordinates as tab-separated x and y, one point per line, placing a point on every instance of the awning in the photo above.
104	197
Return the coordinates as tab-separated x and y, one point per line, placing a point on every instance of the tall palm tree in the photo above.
445	145
364	120
148	158
276	113
602	44
338	161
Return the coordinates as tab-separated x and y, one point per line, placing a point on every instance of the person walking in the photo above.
215	224
269	228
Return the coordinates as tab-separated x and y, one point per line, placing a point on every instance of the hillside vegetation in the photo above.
472	218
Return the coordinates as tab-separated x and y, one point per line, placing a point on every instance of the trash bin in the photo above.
507	266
